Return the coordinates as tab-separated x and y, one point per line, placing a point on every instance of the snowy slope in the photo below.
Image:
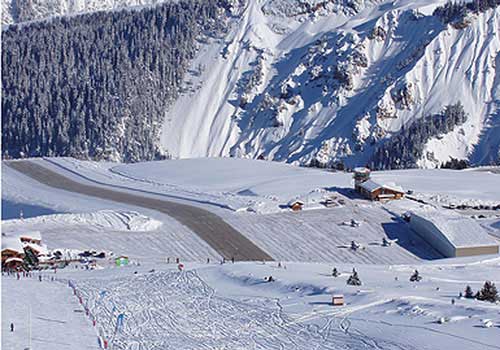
50	310
17	11
214	305
231	306
325	82
103	219
328	85
267	187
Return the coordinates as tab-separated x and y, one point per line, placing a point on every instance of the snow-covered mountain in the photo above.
16	11
329	83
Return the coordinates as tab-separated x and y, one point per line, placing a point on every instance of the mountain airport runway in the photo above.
211	228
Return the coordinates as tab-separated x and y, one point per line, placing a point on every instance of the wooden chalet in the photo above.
31	237
12	248
378	192
13	263
373	190
296	205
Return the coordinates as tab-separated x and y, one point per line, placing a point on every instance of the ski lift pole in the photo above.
29	326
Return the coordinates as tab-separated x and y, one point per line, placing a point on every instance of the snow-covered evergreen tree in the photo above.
97	85
335	272
353	279
404	149
415	277
469	294
488	292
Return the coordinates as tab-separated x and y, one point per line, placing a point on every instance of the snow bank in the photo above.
104	219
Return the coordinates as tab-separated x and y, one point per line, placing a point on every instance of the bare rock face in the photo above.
361	132
343	75
378	33
359	58
385	110
461	24
403	96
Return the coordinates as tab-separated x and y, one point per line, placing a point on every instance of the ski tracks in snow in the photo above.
174	310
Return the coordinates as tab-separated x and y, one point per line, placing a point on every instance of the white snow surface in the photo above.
103	219
469	187
231	306
13	243
98	224
50	308
271	89
41	9
252	196
266	187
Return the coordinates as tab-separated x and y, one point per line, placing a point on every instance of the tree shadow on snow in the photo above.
320	303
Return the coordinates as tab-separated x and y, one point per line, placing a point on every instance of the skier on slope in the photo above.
12	327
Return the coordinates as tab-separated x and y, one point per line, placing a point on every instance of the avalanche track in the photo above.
221	236
179	310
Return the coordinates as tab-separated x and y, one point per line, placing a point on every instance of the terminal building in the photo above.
452	234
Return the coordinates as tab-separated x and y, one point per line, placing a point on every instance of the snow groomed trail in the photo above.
222	237
179	310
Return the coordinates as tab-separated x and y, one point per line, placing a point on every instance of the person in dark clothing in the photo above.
12	327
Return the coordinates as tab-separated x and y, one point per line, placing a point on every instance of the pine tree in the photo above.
469	294
488	292
415	277
405	148
97	79
335	272
353	279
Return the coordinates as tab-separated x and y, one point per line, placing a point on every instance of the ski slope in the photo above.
231	306
184	302
213	305
50	310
